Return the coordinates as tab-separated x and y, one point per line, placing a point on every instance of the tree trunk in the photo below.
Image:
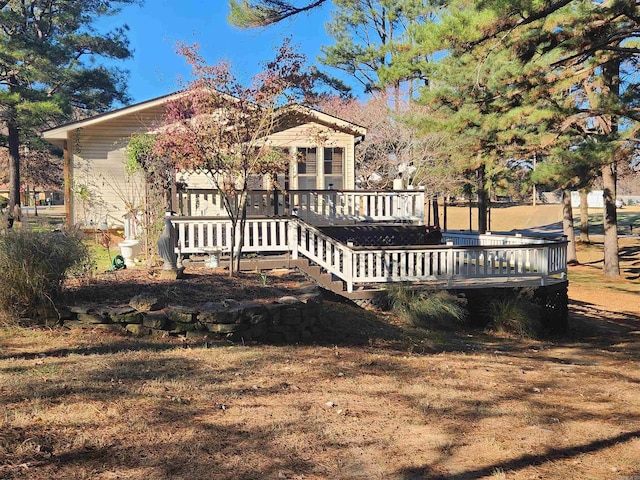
584	216
482	200
534	193
232	248
436	213
610	90
567	227
241	224
14	165
611	263
444	211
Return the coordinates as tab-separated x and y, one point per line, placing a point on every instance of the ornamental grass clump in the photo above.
516	314
427	308
33	267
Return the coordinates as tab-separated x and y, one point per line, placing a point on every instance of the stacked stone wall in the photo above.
289	319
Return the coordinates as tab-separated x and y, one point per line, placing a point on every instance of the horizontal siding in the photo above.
99	163
307	135
143	121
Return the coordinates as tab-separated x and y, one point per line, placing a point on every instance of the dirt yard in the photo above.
373	399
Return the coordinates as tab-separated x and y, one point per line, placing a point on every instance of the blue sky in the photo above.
156	26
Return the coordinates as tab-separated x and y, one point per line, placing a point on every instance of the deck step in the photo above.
325	280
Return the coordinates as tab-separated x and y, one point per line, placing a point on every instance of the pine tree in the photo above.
364	32
47	68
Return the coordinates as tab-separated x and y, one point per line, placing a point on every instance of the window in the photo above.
307	168
333	167
307	162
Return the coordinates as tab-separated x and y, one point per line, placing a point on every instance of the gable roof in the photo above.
60	132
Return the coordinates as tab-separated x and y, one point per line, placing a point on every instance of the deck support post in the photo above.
348	268
293	238
450	262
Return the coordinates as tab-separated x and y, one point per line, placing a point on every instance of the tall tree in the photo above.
48	53
472	96
364	32
570	165
554	48
221	127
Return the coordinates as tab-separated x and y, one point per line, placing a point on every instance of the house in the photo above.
96	187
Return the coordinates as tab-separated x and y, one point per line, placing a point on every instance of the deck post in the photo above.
450	262
293	238
544	261
348	268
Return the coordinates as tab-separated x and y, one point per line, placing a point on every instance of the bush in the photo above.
33	267
428	308
517	314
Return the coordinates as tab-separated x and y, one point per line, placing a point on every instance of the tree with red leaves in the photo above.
221	128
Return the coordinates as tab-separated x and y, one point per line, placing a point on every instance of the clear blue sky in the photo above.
159	24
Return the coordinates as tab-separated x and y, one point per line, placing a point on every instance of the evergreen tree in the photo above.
48	50
573	63
364	32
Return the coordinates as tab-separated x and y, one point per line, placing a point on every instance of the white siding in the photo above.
99	164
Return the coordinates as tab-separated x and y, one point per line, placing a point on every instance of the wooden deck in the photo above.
355	244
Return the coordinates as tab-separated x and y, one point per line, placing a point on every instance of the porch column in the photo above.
68	187
320	168
293	169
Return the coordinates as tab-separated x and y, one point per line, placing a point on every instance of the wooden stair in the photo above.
363	297
324	280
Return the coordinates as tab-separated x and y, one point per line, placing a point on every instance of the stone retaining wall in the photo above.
289	319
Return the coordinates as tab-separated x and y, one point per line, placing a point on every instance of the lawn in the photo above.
371	399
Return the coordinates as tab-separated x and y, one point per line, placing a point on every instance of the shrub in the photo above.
33	267
428	308
517	314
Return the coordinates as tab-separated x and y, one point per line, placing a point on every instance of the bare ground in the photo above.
372	399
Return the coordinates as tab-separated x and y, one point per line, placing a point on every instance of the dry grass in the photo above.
372	400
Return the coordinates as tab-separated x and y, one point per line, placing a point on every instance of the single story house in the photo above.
96	187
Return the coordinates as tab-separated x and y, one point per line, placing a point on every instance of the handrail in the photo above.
325	251
317	206
489	238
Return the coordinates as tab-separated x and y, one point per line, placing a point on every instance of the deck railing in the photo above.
317	206
202	234
532	257
472	257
